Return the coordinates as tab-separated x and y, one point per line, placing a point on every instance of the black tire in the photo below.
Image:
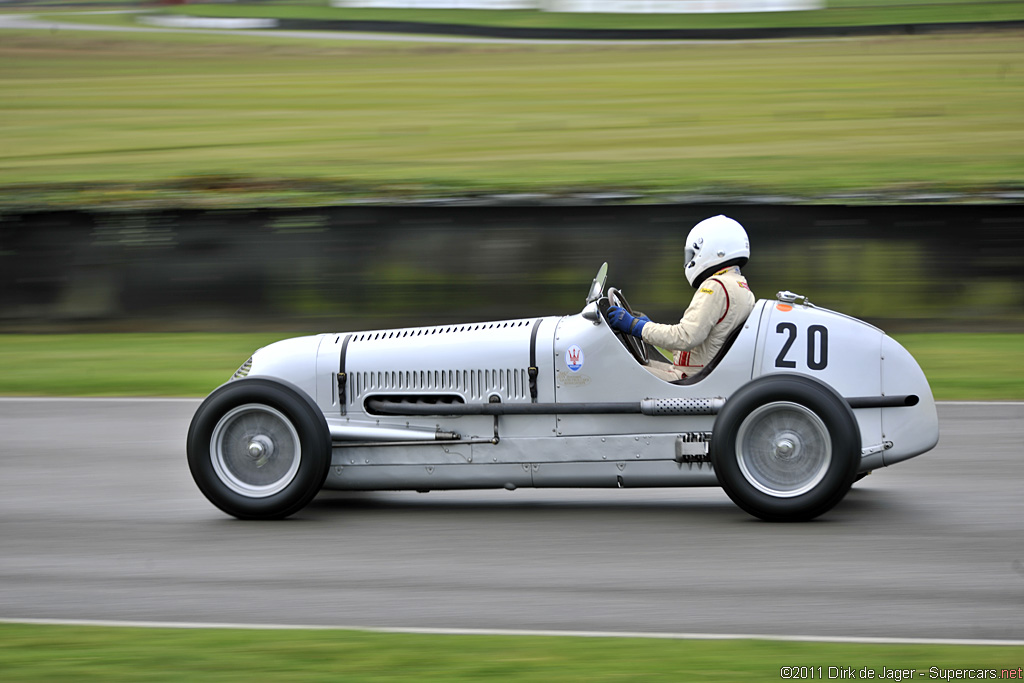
259	448
786	448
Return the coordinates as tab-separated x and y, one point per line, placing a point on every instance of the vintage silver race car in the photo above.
799	403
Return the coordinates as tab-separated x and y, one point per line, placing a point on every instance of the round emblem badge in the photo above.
574	358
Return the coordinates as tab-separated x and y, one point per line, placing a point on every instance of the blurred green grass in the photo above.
105	117
177	364
966	366
958	366
841	13
46	653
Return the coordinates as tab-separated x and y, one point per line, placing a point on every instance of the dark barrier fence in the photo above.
539	33
903	267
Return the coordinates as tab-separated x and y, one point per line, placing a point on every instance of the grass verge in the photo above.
958	366
182	364
970	366
43	653
101	118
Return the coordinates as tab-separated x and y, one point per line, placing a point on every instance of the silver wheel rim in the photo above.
783	449
255	450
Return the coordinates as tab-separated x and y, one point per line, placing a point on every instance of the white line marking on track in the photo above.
979	403
522	632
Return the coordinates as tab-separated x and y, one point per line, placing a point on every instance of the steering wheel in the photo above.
635	346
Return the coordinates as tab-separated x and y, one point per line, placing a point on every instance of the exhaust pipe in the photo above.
358	433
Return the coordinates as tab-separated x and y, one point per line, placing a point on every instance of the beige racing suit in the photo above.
722	302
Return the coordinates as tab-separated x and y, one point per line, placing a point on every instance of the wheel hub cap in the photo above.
255	450
783	449
261	449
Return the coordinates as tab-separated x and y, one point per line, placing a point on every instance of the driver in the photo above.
715	249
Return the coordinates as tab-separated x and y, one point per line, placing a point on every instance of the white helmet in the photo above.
713	243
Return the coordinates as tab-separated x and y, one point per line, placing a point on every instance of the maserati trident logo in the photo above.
574	358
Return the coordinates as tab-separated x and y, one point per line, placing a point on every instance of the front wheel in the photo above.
786	448
259	449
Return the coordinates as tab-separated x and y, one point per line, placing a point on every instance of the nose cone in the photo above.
913	429
293	360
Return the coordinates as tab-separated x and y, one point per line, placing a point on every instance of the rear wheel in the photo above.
259	449
786	448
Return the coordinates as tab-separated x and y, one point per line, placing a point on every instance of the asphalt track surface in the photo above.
99	519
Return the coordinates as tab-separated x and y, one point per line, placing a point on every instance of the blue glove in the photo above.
621	320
